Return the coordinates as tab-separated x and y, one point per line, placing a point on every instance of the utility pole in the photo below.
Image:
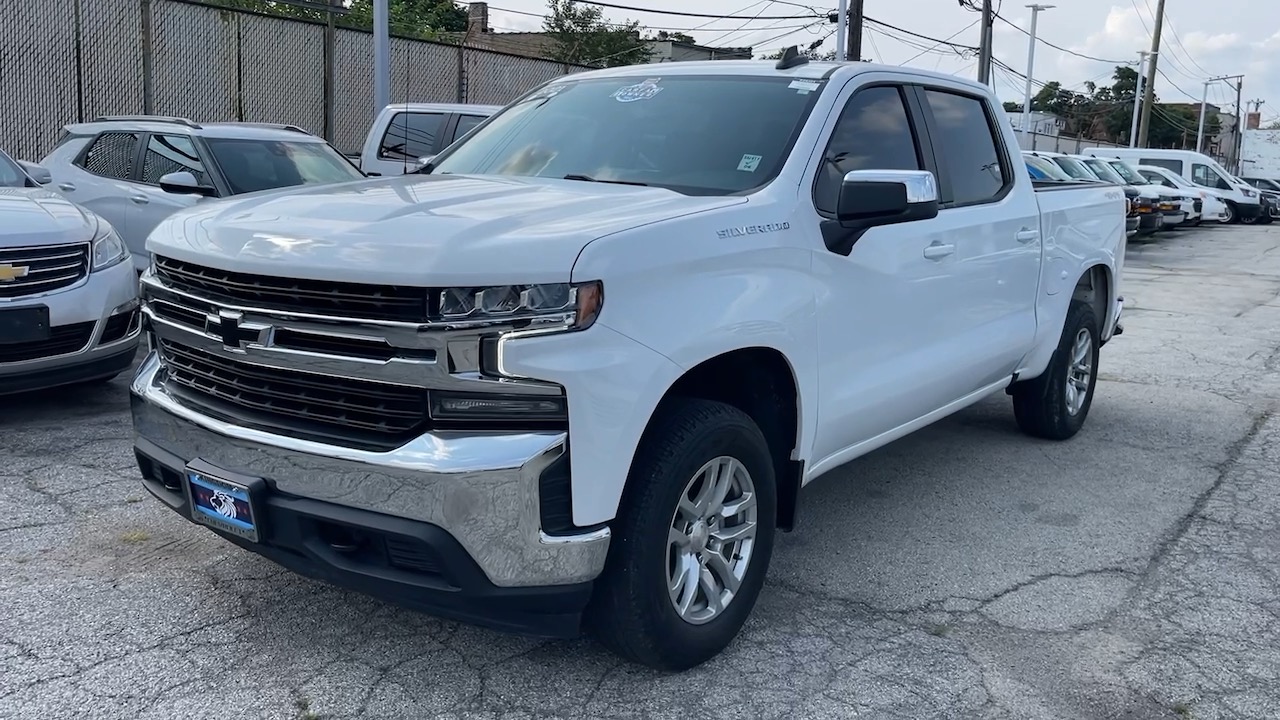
1235	151
1137	98
842	30
1149	96
855	31
381	57
984	49
1031	64
1204	102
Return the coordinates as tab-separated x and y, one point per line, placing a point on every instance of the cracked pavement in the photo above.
963	572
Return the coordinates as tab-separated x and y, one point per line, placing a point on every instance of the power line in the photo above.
697	15
940	44
918	35
1168	53
1062	49
744	24
698	28
1178	40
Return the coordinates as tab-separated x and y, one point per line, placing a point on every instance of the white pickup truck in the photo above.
576	374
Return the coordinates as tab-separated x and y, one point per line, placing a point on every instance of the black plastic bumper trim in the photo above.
293	535
103	367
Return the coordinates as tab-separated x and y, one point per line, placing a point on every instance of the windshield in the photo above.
1130	175
1074	168
1052	171
1161	176
252	165
698	135
1104	171
10	174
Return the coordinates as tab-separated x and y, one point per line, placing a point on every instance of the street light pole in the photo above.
1031	63
1137	98
842	16
381	57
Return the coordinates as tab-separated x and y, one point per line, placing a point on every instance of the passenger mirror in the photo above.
425	164
39	173
184	183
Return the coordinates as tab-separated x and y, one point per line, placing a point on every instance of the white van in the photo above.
404	132
1242	200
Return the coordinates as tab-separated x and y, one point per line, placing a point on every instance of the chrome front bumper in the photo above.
480	488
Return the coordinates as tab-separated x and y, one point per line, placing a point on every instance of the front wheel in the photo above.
1055	404
1228	214
693	538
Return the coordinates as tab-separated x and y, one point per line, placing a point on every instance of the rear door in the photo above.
994	218
100	178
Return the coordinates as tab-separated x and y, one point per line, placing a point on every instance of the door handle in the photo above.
937	251
1025	236
140	199
66	186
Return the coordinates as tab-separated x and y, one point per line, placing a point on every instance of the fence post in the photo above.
462	72
148	67
79	64
330	40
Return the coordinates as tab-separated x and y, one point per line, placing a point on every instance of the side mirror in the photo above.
184	183
869	198
39	173
425	164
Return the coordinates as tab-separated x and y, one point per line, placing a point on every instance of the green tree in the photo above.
583	37
413	17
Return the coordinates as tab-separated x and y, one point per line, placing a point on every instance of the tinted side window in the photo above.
111	155
964	136
872	133
410	136
1174	165
465	124
171	153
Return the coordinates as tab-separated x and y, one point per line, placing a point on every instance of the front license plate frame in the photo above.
26	324
225	501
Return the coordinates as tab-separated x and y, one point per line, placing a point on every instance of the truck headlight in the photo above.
571	305
1249	193
108	248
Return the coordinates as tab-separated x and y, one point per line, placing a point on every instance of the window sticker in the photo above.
803	87
749	163
642	91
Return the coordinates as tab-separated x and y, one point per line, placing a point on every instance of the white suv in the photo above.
135	170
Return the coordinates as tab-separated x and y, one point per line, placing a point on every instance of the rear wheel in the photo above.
693	538
1055	404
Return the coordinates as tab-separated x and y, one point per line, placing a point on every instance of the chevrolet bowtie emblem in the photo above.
9	273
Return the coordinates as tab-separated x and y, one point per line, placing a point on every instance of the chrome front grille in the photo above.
338	379
370	413
34	270
352	300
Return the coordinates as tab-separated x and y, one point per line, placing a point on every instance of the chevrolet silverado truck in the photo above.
576	373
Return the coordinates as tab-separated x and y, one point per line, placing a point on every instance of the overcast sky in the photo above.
1201	38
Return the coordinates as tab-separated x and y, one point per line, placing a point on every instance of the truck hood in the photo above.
35	216
418	229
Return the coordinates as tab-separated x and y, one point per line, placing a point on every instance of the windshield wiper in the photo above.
588	178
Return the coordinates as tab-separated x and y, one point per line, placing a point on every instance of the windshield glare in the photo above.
1074	168
1129	174
253	165
698	135
1105	171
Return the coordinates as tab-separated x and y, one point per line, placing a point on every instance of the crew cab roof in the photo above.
813	70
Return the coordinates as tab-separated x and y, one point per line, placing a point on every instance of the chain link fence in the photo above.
185	58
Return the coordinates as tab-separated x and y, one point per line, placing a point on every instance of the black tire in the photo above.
1040	404
1249	220
631	612
1230	215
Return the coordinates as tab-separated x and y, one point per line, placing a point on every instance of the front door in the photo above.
883	314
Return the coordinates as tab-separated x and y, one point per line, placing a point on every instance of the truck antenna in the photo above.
791	57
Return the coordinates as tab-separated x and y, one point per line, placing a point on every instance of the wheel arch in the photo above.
762	382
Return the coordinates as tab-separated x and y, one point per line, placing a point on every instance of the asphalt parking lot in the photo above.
965	571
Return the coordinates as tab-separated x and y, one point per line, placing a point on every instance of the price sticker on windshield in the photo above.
640	91
749	163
